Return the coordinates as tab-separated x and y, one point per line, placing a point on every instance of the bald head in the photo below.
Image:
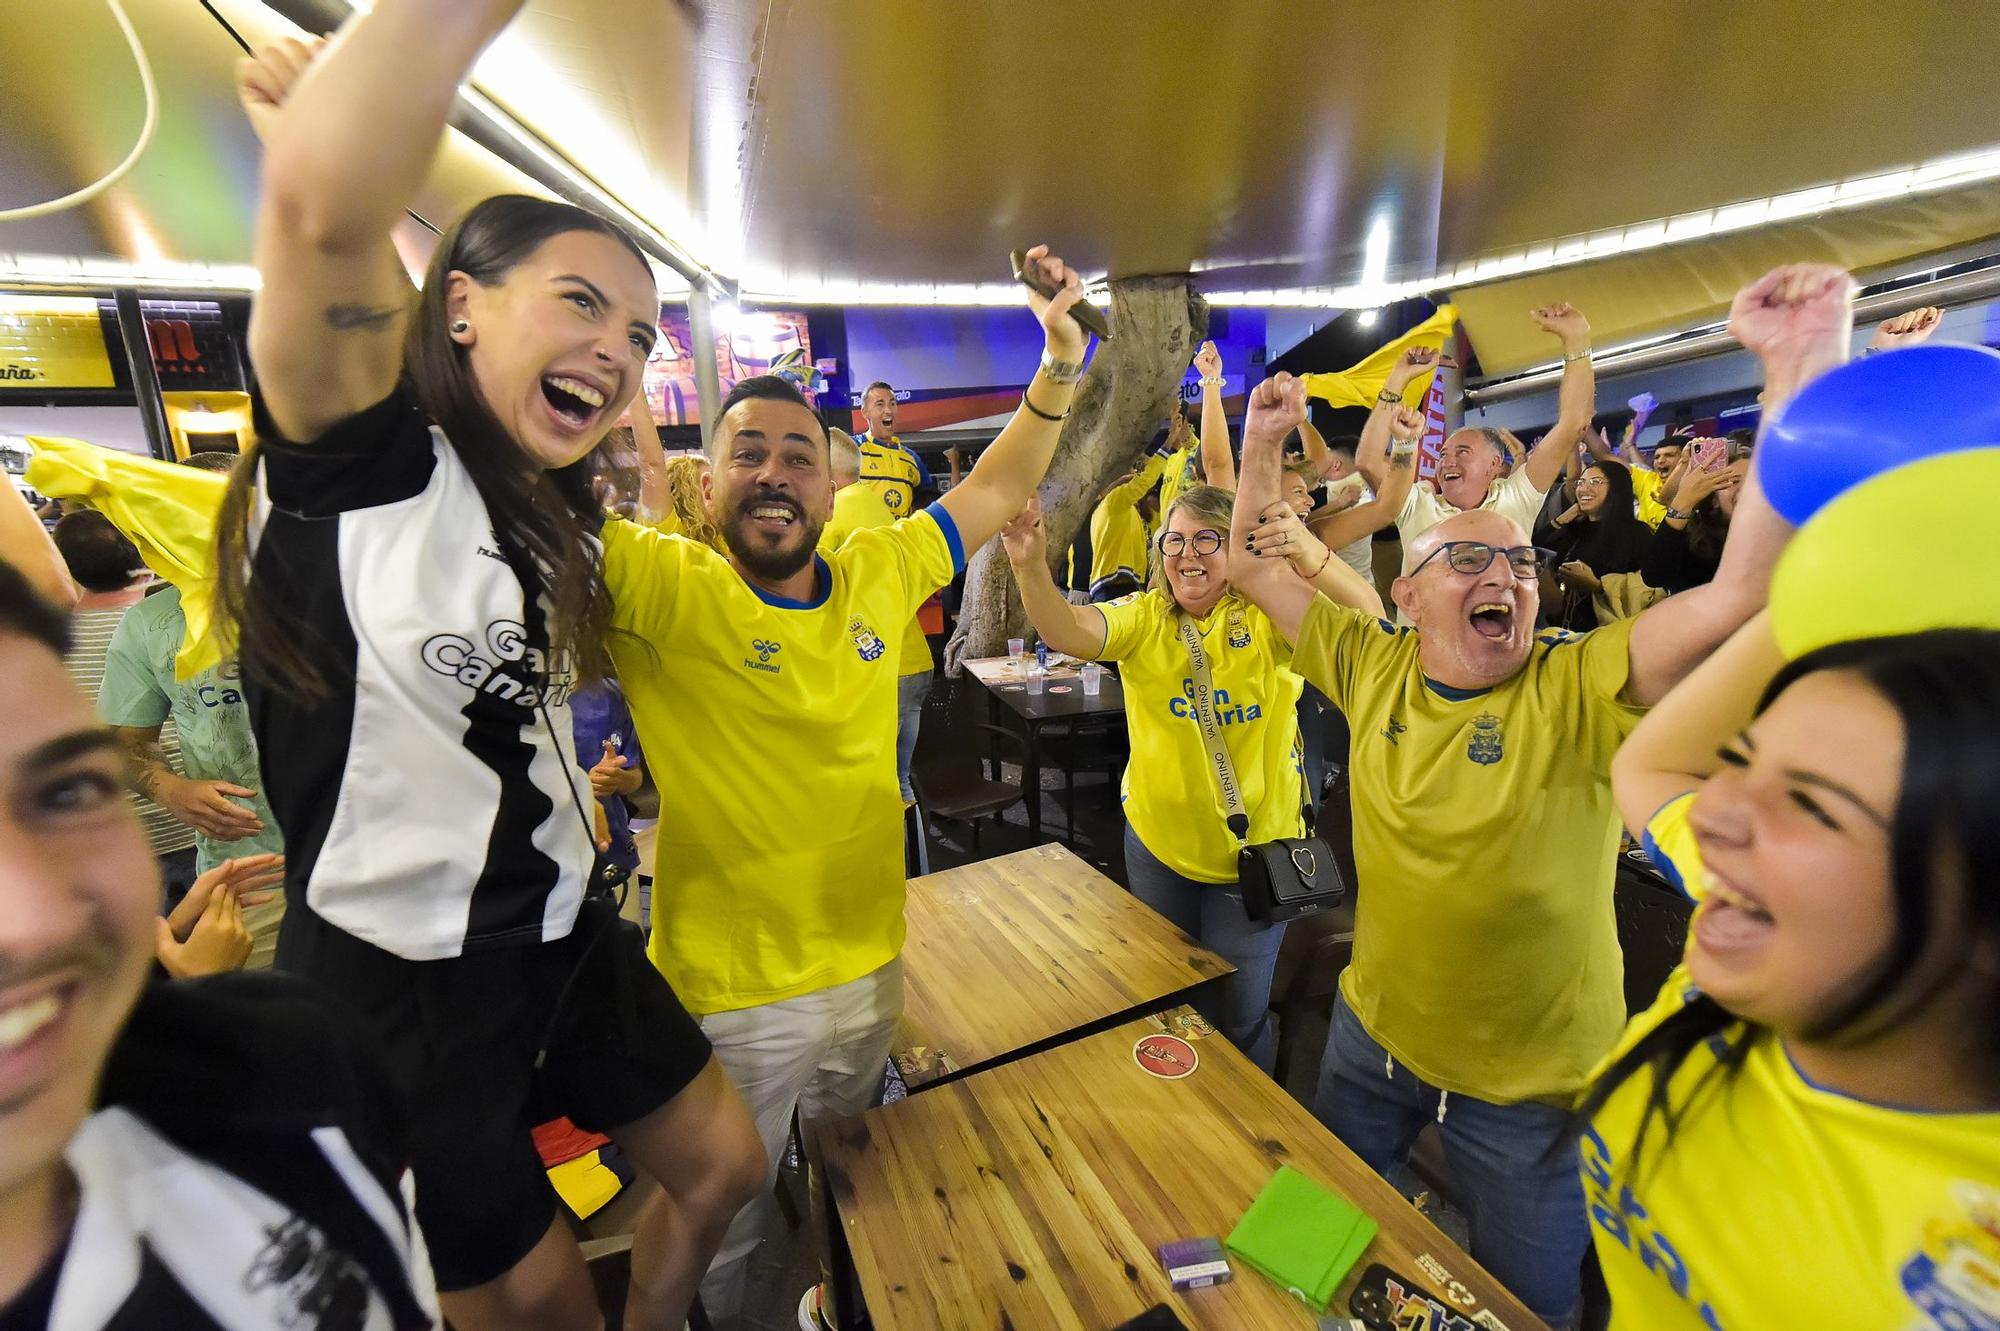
845	456
1479	524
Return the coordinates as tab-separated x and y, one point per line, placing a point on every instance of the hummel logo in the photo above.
765	650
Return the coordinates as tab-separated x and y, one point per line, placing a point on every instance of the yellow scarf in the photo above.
168	511
1358	385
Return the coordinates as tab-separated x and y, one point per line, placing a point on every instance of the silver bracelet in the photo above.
1576	355
1061	371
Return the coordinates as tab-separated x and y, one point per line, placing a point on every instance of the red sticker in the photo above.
1166	1056
1058	688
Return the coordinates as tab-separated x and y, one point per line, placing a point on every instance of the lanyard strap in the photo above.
1211	730
1211	734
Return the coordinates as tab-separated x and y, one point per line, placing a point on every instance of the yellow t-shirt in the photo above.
856	508
1180	476
1780	1203
1646	485
754	710
1171	798
1485	952
1118	535
893	471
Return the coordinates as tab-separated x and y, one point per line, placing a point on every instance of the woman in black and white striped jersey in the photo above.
412	567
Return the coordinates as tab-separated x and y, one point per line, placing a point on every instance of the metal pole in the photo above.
707	376
145	383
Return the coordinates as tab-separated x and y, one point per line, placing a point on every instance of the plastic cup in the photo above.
1093	678
1017	648
1037	679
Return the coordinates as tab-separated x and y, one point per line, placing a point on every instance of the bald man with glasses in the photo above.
1487	980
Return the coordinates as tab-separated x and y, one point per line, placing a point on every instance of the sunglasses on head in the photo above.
1205	542
1475	556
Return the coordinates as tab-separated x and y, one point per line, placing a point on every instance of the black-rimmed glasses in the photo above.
1475	557
1205	542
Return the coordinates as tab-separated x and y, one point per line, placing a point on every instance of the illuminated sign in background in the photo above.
52	342
756	339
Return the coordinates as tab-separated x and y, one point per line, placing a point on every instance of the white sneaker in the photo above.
810	1303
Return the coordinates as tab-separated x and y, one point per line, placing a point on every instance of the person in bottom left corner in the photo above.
137	1187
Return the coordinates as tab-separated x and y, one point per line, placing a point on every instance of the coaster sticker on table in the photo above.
1166	1056
921	1064
1182	1021
1058	688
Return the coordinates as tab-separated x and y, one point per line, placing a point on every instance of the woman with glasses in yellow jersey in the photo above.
1804	1129
1180	857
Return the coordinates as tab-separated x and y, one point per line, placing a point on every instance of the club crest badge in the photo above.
867	644
1488	743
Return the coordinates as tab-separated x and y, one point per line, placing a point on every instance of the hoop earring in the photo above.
460	326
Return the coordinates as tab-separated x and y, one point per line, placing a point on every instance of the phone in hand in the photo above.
1711	454
1088	316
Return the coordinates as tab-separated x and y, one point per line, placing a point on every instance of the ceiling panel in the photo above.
74	105
793	143
1665	290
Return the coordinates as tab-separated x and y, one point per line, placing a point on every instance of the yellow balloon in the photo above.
1915	548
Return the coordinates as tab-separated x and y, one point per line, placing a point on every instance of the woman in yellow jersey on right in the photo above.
1804	1130
1180	858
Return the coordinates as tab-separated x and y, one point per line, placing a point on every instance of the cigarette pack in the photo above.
1195	1263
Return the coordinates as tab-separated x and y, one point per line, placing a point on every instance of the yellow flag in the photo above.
1358	385
168	511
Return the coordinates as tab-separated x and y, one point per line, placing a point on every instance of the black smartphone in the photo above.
1159	1317
1089	316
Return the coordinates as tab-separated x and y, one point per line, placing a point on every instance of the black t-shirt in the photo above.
243	1169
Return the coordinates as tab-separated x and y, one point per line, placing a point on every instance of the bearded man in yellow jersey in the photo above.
769	672
858	508
888	467
1487	979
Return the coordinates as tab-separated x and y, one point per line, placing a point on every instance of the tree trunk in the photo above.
1119	408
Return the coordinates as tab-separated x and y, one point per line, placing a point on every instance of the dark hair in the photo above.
1620	505
1344	444
99	556
881	384
1942	684
545	520
767	388
212	459
25	613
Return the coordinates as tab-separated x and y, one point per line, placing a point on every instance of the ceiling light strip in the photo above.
63	270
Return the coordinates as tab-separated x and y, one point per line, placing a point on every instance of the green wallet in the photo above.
1301	1237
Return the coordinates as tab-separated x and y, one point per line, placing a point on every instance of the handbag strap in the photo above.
1234	812
1211	730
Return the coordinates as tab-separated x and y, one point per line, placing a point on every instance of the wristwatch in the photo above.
1061	371
1677	515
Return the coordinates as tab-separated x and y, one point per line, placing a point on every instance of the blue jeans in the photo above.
911	690
1213	914
1523	1197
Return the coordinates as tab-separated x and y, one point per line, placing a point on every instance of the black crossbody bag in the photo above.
1282	879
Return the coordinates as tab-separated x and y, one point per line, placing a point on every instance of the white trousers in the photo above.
820	1053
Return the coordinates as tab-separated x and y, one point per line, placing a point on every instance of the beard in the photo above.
753	547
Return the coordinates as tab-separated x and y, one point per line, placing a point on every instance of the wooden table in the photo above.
1034	1195
1012	954
1001	677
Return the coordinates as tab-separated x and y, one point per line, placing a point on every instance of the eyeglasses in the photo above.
1205	542
1475	556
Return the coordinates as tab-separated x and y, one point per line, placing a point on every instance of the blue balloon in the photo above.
1872	414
